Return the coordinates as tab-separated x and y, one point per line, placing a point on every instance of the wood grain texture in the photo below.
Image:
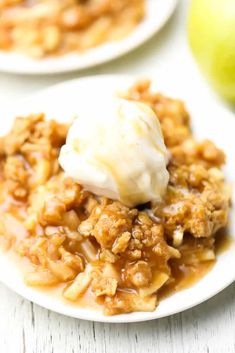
27	328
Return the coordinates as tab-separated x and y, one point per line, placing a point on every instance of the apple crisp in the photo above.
41	28
125	258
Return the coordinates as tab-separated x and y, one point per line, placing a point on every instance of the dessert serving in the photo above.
119	208
42	28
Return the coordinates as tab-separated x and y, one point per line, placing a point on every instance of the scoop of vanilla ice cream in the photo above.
117	150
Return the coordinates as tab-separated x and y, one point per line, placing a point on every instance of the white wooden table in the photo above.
209	327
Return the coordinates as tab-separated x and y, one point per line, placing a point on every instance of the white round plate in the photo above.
157	13
209	120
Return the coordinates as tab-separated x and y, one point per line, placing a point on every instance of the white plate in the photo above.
157	13
209	120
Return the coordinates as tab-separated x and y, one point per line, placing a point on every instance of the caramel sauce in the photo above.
24	266
86	301
182	275
186	276
222	242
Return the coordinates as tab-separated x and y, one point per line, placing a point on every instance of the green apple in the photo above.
211	31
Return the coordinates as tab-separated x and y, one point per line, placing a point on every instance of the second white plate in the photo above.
157	13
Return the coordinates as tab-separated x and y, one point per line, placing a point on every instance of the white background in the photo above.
209	328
